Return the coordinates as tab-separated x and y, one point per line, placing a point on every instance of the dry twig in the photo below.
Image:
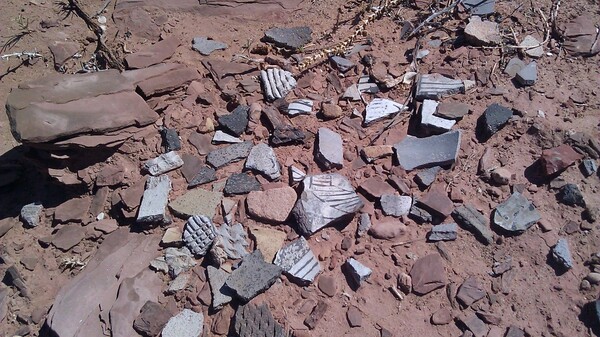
433	16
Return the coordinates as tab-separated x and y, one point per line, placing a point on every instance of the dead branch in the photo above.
433	16
102	50
22	55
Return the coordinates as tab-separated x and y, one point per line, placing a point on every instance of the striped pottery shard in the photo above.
276	83
435	86
198	234
300	107
381	108
325	199
298	261
252	321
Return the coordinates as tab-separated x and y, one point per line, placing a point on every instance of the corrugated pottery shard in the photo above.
252	321
233	240
381	108
298	261
326	198
198	234
276	83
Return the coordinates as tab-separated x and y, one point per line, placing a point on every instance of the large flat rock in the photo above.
59	107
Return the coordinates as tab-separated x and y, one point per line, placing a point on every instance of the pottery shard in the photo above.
78	304
59	107
440	150
153	208
272	205
151	320
428	274
298	261
197	201
268	240
470	291
329	149
482	32
253	277
325	199
154	54
164	163
516	214
294	37
187	323
263	159
557	159
198	234
252	321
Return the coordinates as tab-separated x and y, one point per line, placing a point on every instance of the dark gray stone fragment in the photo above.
492	120
528	75
570	195
562	254
475	222
205	175
516	214
221	294
589	167
170	140
254	321
480	7
443	232
253	276
294	37
232	153
241	183
426	177
420	215
514	65
413	152
237	121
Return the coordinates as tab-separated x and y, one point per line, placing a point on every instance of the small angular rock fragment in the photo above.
441	317
198	234
164	163
30	214
186	323
327	285
236	122
443	232
152	319
562	254
436	86
492	120
436	201
528	75
273	205
474	221
358	272
205	175
452	110
354	317
298	261
426	177
364	224
373	152
276	83
330	149
253	276
325	199
153	208
170	139
233	240
300	107
532	47
470	291
482	33
253	321
570	195
241	183
342	64
395	205
589	167
516	214
318	312
557	159
221	294
292	37
262	159
440	150
381	108
232	153
476	326
428	274
432	123
513	67
205	46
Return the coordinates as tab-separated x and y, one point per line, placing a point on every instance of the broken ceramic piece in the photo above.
440	150
298	261
381	108
198	234
435	86
164	163
276	83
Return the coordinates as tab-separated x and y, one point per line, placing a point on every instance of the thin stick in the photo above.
104	6
433	16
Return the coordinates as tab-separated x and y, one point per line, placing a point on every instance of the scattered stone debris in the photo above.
440	150
268	240
556	160
325	198
570	195
492	120
354	317
276	83
153	208
273	205
198	234
206	46
474	221
203	175
30	214
428	274
241	183
262	159
298	261
380	108
516	214
387	229
562	254
358	272
251	321
237	121
470	292
435	86
253	276
443	232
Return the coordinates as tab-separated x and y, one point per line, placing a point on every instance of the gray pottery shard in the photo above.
435	86
252	321
562	254
431	122
164	163
221	294
292	37
198	234
223	156
276	83
253	277
298	261
232	240
325	199
262	158
381	108
516	214
153	208
358	271
300	107
330	149
440	150
205	46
